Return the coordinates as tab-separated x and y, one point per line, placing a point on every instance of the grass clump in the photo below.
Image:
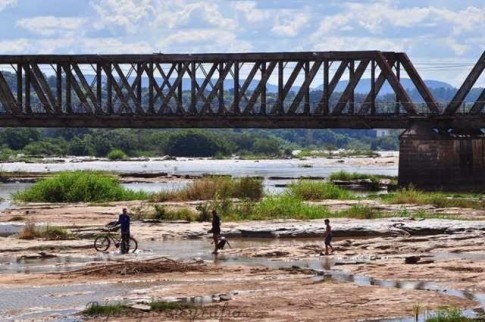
79	186
318	190
96	309
273	207
164	213
215	186
17	218
31	231
354	176
162	306
438	199
448	315
116	155
281	207
360	212
28	232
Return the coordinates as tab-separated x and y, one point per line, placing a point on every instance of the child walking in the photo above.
328	237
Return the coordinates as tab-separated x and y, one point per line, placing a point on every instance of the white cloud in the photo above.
250	11
49	25
17	46
123	13
115	46
205	40
181	13
6	3
359	43
290	23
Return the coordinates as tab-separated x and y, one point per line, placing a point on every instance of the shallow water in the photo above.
292	168
75	297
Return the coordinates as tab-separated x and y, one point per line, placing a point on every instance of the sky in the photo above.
443	38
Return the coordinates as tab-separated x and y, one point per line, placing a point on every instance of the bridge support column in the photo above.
436	159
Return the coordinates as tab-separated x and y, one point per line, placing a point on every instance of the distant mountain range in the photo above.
362	87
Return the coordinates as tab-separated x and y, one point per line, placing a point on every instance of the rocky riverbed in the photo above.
381	268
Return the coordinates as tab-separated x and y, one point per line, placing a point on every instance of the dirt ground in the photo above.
365	278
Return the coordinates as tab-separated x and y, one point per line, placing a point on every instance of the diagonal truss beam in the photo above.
401	94
304	87
419	83
478	106
7	98
349	90
460	95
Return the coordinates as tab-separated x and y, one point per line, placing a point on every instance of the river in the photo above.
276	173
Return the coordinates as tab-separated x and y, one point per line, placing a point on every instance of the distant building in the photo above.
382	132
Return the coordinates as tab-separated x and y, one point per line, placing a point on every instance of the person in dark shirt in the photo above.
216	229
328	237
124	222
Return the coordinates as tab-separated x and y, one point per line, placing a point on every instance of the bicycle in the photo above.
103	242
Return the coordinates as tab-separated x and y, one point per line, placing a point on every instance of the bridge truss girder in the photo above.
214	90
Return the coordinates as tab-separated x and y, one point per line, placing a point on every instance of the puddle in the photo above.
193	249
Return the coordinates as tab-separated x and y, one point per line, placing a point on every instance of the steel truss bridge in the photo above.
239	90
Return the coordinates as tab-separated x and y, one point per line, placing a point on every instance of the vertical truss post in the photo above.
398	76
193	88
222	77
28	106
20	99
58	105
151	101
236	98
139	72
180	90
352	79
372	89
280	104
99	87
67	71
263	90
326	82
109	88
306	106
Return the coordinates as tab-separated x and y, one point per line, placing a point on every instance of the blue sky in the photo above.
444	38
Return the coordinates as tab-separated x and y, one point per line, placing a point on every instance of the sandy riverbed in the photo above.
366	278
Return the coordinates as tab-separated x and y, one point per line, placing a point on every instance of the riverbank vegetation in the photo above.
412	195
31	231
355	176
78	186
211	187
241	198
26	143
318	190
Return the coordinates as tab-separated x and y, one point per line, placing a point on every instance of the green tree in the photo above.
18	138
267	146
195	144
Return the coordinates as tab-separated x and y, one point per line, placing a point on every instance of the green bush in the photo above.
78	186
116	154
318	190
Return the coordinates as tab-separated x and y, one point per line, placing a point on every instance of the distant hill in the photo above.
364	86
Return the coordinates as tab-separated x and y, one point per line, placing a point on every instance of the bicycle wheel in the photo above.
102	243
132	247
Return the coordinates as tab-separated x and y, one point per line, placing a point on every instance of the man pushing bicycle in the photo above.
124	222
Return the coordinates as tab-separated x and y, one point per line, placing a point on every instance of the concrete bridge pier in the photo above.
433	158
